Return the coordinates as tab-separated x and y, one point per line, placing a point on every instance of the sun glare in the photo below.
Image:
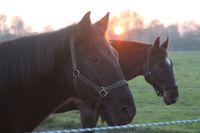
118	30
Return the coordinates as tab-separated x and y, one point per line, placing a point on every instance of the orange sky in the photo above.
60	13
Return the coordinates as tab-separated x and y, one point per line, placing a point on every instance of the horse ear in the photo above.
103	23
157	43
84	26
165	44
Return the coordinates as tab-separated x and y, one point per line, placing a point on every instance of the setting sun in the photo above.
118	30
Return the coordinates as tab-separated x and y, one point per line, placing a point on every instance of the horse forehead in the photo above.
100	41
110	49
114	51
109	46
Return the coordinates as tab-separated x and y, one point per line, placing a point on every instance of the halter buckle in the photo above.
103	92
76	73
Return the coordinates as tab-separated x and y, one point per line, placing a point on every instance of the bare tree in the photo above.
128	20
48	29
18	26
3	26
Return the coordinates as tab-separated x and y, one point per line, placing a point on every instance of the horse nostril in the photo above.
175	99
171	100
125	110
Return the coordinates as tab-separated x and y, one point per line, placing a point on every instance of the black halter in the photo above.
148	75
102	91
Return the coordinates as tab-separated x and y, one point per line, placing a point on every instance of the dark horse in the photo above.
152	62
135	59
38	73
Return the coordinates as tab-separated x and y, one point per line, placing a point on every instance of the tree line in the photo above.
184	38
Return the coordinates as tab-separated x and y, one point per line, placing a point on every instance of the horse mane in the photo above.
29	58
126	45
129	46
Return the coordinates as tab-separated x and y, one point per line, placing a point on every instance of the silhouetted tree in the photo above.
3	26
48	29
184	37
18	26
128	20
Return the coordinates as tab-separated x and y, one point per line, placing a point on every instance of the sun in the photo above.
118	29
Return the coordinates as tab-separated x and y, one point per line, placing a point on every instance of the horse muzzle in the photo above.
170	96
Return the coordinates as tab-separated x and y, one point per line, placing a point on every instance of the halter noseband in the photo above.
102	91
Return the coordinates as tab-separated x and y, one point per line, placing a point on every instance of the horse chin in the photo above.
110	118
105	117
111	121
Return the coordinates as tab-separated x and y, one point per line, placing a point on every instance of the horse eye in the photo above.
94	59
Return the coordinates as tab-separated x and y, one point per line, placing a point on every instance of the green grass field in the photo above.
151	108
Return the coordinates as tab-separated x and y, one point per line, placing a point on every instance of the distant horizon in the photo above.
184	27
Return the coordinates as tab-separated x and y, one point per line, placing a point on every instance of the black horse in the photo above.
38	73
135	59
155	66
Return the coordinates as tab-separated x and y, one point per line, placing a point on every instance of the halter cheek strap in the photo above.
150	78
102	90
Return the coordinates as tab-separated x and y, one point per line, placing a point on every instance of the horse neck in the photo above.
139	56
132	56
35	67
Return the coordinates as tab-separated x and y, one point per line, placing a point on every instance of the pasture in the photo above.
151	108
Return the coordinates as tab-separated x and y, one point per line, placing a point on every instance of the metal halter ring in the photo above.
148	73
76	73
103	92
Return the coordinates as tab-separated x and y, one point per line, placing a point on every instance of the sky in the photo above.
60	13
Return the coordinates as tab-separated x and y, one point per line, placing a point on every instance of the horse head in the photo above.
158	71
98	80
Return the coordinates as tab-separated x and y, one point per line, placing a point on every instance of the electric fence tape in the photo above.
98	129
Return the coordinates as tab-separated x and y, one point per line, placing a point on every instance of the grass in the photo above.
151	108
